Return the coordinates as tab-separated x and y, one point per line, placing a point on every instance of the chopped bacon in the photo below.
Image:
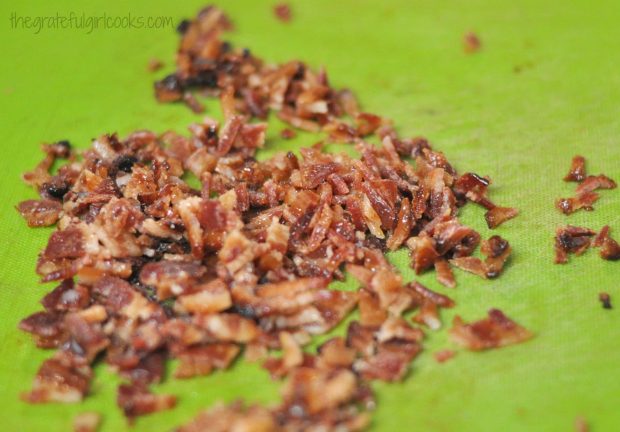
592	183
577	172
497	330
609	248
471	43
136	400
59	382
571	239
40	213
605	300
443	355
582	201
498	215
282	11
86	422
153	268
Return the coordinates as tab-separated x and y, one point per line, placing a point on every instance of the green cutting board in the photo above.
545	86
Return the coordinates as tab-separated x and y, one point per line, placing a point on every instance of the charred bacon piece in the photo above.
497	330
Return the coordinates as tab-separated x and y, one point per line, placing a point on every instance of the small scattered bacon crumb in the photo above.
581	424
288	133
444	355
471	43
605	300
282	11
154	65
86	422
497	330
577	172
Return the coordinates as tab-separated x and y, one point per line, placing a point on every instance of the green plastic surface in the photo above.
545	86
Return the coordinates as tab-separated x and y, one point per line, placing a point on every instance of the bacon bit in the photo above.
58	382
610	249
497	251
471	43
282	11
577	172
86	422
443	355
444	273
154	65
571	205
193	103
571	239
40	213
288	134
498	215
235	417
592	183
605	300
581	425
136	400
497	330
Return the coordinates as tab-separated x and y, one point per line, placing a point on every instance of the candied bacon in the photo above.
497	330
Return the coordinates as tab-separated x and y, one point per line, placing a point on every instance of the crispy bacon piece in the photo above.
592	183
282	11
443	355
59	382
86	422
582	201
234	417
497	251
498	215
40	213
202	359
444	273
609	248
471	43
571	239
605	300
497	330
577	172
135	400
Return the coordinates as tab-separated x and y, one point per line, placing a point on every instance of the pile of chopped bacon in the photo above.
151	269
